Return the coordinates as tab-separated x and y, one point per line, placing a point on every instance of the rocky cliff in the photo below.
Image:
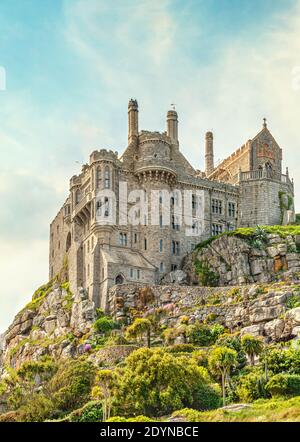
255	289
245	256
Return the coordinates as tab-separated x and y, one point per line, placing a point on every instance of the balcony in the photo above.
265	174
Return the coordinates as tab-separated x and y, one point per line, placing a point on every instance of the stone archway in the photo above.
120	279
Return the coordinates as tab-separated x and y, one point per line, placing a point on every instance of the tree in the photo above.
103	391
220	361
154	382
139	328
252	346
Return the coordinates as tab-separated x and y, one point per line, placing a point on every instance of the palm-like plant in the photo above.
220	361
252	346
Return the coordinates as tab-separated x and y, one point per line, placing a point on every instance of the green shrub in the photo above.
284	385
181	348
250	387
293	301
154	382
105	325
90	412
37	409
283	360
207	277
203	334
71	385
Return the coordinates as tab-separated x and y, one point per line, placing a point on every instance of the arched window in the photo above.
68	242
98	177
107	178
120	279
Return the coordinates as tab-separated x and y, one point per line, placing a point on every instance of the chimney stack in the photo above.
209	153
133	120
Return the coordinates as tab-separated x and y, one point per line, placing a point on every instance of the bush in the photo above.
71	385
203	334
90	412
154	383
181	348
37	409
251	387
287	360
284	385
105	325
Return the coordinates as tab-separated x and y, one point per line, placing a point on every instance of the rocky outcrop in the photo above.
255	309
48	325
237	260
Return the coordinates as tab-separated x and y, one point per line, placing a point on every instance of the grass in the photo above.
263	410
250	232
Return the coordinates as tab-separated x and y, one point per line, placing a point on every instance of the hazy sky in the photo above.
71	67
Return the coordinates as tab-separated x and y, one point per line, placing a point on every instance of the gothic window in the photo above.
98	177
145	243
161	267
175	223
135	238
107	178
131	273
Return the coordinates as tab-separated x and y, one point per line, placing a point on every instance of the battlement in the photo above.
103	154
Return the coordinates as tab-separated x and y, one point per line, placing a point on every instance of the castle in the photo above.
246	189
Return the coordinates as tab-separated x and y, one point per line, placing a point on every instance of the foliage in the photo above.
71	385
293	301
37	409
90	412
103	390
283	360
207	277
233	341
252	346
139	328
181	348
221	360
284	385
251	386
154	382
104	325
203	334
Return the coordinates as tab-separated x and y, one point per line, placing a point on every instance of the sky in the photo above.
70	68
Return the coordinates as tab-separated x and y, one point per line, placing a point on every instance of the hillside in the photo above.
164	348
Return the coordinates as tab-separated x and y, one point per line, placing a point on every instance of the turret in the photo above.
133	121
209	153
172	125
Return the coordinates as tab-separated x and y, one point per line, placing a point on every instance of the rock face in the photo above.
235	260
258	310
48	325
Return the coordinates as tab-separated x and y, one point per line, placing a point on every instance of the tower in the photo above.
133	120
209	153
172	126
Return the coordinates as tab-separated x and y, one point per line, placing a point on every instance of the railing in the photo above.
264	173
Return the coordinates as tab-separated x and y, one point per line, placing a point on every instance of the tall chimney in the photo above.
172	126
209	153
133	120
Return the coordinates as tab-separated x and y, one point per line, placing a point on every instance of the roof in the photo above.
118	255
